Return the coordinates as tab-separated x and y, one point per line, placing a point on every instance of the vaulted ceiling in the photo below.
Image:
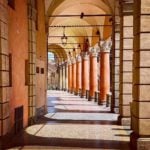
76	7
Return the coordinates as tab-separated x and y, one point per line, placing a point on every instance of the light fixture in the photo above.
64	38
82	15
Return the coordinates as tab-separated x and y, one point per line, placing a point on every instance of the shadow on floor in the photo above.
25	139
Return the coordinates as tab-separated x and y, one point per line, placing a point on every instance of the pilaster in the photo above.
140	120
126	61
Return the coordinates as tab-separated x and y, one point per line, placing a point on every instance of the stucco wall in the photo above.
18	46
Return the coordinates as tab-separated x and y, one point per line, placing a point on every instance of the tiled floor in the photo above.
74	123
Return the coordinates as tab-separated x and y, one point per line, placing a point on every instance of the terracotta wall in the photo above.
41	56
18	46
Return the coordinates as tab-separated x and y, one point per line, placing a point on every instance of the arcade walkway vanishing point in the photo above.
75	74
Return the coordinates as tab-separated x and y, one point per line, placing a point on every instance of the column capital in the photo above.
105	46
85	55
73	60
69	62
93	54
78	59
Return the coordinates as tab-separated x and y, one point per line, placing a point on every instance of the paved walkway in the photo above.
74	123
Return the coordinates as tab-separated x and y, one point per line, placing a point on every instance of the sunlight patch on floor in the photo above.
82	116
80	131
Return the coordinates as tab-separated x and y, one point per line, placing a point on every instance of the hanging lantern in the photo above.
64	38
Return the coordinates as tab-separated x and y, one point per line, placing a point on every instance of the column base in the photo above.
83	96
115	110
102	103
139	143
91	98
124	121
75	93
70	91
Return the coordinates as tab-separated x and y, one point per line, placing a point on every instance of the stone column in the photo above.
85	74
93	75
126	58
115	60
140	120
104	72
66	73
61	77
4	70
58	77
60	73
69	76
78	74
64	76
73	75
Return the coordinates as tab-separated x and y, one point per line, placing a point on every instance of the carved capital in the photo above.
78	59
85	56
105	46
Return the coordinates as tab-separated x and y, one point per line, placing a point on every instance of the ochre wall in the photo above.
18	46
41	56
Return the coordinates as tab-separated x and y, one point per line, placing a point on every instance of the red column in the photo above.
93	75
73	75
69	76
78	75
104	75
85	74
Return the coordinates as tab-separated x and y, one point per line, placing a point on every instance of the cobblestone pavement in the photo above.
74	123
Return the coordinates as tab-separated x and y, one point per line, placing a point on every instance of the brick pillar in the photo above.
78	75
104	72
93	75
126	58
32	60
73	75
69	76
85	74
115	60
140	120
4	70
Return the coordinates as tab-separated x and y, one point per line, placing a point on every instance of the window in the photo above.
11	3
